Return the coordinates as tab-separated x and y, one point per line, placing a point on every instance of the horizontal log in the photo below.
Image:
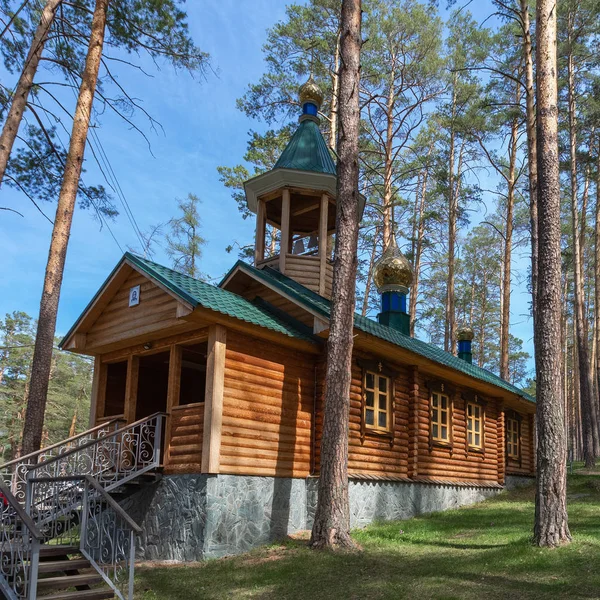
178	430
241	388
296	454
185	450
264	417
254	406
185	459
185	440
196	407
234	421
260	433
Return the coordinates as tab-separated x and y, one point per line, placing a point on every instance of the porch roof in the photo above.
199	293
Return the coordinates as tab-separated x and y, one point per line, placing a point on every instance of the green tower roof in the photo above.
307	151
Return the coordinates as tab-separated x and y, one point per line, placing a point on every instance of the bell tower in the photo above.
295	203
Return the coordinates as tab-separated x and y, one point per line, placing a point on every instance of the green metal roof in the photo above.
321	305
307	151
199	293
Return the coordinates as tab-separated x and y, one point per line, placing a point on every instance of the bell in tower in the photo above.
295	203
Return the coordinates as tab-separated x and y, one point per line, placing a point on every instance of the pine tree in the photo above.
551	528
331	527
184	242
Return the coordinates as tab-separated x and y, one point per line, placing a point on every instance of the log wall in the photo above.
184	449
409	451
457	462
526	464
267	409
306	270
371	454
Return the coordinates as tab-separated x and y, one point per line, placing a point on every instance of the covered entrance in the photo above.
172	381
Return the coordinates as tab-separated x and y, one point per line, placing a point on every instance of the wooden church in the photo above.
238	369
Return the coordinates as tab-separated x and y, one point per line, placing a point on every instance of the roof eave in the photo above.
280	178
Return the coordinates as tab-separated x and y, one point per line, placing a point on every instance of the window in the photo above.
512	438
440	417
378	405
474	425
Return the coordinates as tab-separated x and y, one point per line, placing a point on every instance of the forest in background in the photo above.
69	391
446	118
445	129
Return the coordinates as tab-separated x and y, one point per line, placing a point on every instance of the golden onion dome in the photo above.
311	92
392	272
464	333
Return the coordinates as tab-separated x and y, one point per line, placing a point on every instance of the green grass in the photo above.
482	551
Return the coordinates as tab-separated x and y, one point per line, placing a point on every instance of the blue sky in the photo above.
202	130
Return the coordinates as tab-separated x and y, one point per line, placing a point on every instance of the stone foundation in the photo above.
518	481
193	517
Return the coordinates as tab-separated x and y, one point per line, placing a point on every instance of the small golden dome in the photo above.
311	92
464	333
392	272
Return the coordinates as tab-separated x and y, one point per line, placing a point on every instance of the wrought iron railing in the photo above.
81	513
108	539
19	549
66	501
112	459
15	471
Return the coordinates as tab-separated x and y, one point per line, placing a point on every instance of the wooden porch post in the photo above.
284	244
213	402
173	389
323	243
131	388
98	391
259	248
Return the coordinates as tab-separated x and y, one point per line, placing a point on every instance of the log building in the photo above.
239	370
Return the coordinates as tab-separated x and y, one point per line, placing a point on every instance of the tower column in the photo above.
284	245
323	242
261	222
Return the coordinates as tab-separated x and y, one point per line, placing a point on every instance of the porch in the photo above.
181	377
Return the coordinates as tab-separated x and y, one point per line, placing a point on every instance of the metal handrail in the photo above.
61	443
96	485
16	505
20	541
100	439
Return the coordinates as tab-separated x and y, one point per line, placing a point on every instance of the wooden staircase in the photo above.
63	533
64	573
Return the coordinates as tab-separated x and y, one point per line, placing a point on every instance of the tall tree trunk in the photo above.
597	274
510	204
335	90
365	306
531	147
42	355
24	85
551	526
586	299
388	167
448	333
331	526
418	248
583	357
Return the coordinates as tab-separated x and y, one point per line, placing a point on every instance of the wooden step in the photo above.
58	550
68	581
55	566
81	595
